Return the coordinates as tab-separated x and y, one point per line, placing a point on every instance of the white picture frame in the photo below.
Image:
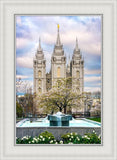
108	8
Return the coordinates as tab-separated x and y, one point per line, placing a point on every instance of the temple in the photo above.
43	81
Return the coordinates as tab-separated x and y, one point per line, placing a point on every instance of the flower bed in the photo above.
69	138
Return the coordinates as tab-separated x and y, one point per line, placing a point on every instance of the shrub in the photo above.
74	138
69	138
91	138
43	138
47	138
24	140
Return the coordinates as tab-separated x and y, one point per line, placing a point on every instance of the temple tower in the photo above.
77	70
58	61
39	67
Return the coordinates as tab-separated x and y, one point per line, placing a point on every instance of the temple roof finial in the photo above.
39	48
58	42
58	26
76	48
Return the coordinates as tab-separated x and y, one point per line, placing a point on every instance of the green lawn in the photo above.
95	119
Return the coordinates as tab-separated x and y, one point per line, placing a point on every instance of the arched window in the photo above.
77	74
39	74
58	72
39	82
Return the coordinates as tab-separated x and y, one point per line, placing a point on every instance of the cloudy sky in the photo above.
86	28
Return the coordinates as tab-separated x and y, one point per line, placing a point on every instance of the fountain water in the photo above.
59	119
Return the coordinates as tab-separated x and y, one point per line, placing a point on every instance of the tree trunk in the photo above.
60	109
65	110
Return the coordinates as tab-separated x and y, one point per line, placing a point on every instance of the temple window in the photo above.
39	74
58	71
77	74
39	82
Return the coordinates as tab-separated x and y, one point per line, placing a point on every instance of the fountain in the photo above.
57	123
59	119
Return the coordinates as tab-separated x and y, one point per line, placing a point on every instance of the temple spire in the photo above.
76	48
58	42
39	48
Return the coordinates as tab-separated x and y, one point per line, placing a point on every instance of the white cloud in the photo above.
26	62
21	76
92	89
89	72
92	79
45	27
22	42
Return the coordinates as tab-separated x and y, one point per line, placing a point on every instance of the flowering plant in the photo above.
69	138
74	138
43	138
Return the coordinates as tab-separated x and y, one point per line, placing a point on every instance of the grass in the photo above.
95	119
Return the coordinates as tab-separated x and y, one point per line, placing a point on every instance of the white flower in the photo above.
78	139
68	135
33	141
71	133
43	139
72	137
56	143
41	136
99	136
61	142
94	131
51	141
29	142
70	143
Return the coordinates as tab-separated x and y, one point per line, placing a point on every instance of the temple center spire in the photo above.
76	48
39	48
58	42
